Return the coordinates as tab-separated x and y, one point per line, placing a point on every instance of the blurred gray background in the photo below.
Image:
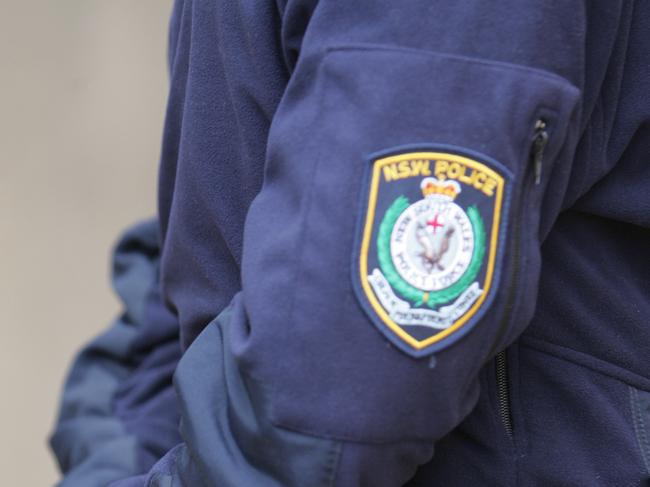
82	98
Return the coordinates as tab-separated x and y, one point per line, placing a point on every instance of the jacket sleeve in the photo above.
323	371
118	412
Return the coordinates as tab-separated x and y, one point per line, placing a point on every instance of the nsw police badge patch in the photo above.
428	247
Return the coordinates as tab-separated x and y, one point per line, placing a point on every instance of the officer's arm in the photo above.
118	412
418	157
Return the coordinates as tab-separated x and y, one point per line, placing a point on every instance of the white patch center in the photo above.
431	244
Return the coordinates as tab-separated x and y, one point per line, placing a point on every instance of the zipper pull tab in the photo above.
537	150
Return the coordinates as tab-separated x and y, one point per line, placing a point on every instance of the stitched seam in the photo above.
524	197
453	58
628	28
519	431
334	436
529	342
333	466
299	246
299	249
522	194
640	428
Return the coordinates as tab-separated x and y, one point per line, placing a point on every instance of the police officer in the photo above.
405	243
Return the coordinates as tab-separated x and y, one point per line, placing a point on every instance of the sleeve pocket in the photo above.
329	361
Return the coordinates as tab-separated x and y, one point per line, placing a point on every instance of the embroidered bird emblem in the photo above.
432	251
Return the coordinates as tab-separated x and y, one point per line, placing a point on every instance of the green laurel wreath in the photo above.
413	294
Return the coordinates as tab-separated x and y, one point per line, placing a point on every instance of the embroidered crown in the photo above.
448	189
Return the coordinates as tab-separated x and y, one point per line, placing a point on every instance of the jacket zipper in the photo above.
540	139
503	391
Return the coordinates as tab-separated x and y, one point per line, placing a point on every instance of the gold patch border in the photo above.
367	233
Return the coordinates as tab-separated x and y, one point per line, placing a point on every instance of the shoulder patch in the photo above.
428	245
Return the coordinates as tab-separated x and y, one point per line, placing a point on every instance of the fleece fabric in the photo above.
275	109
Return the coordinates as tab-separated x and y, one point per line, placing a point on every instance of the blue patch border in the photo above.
361	219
